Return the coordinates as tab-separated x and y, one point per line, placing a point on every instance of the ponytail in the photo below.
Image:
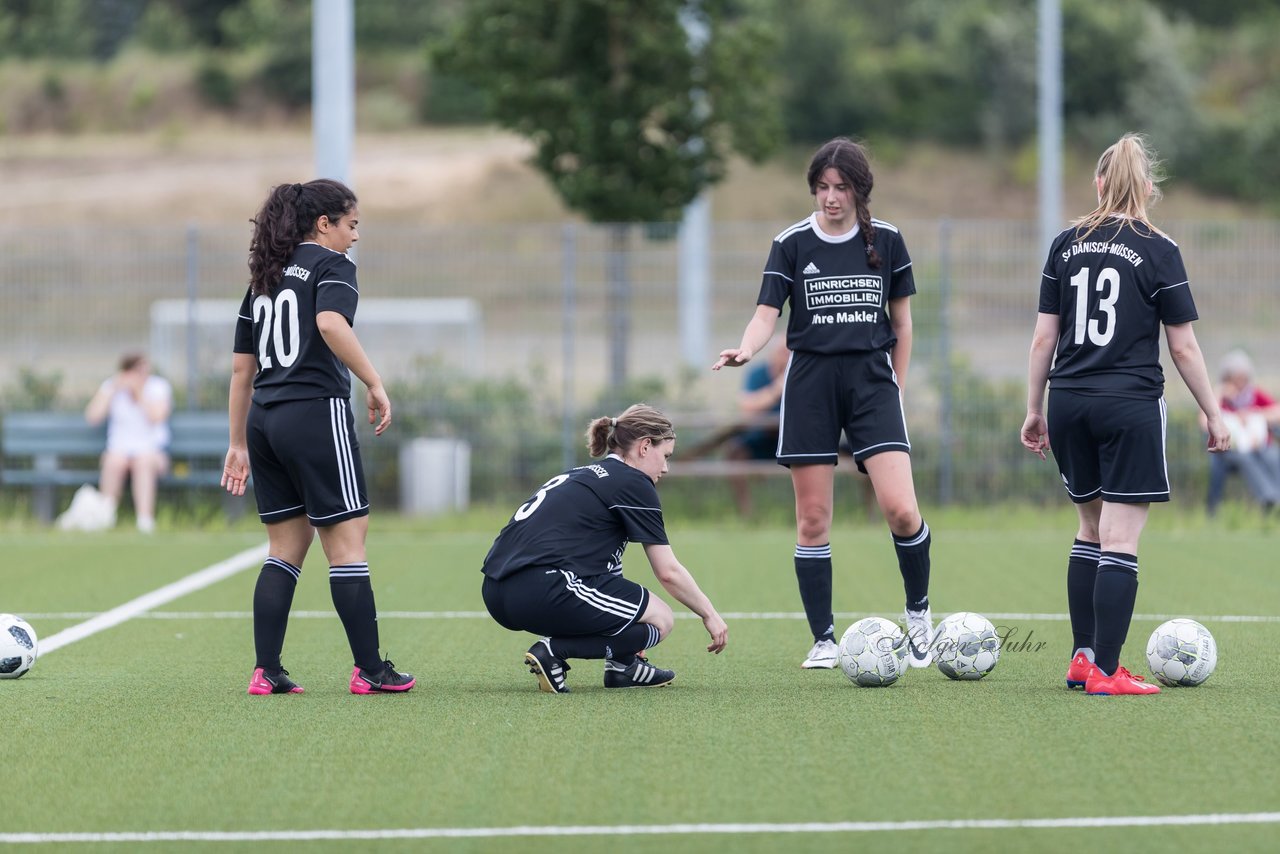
1130	174
287	218
607	435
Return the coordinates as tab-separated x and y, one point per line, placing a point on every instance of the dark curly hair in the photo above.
287	218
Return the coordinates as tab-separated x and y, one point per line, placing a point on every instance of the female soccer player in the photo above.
849	281
292	426
1110	281
556	568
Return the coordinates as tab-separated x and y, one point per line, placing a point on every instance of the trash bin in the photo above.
435	476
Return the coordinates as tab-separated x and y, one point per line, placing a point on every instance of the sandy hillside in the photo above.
220	176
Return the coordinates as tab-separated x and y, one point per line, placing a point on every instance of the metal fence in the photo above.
509	337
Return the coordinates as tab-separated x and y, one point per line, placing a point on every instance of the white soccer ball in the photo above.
1181	652
19	647
966	646
873	652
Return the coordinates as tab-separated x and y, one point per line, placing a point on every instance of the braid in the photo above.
850	160
868	231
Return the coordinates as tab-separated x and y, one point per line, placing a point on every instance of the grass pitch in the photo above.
146	727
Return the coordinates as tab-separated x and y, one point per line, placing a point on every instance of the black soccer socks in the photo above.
1082	572
272	599
913	563
813	572
353	600
1114	593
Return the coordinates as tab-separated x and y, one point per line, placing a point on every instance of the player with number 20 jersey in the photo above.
294	363
292	426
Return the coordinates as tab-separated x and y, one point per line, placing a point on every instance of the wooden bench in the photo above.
704	457
46	450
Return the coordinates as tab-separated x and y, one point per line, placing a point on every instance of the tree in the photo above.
629	119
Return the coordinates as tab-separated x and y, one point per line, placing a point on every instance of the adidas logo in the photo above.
811	268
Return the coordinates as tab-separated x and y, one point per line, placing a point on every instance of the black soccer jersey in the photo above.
837	300
294	362
581	521
1111	291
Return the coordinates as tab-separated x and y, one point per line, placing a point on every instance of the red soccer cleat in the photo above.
1078	672
1100	684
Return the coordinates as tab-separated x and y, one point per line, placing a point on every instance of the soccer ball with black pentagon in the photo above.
1181	652
873	652
966	646
18	646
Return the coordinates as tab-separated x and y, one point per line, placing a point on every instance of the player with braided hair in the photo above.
849	281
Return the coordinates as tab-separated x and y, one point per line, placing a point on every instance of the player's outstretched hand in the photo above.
718	630
1035	434
235	471
379	409
734	357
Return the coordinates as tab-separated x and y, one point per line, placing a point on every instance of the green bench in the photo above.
47	450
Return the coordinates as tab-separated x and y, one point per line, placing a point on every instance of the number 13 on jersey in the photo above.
1099	330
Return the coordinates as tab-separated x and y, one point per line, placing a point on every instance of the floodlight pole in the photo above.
1049	74
693	250
333	87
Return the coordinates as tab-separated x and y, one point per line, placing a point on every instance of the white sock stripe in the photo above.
349	570
1112	560
285	565
916	540
654	637
813	551
1086	551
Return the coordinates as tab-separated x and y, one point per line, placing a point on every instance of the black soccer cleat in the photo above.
639	674
549	669
386	681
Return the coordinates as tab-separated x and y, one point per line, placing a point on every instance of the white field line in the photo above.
645	829
161	596
730	615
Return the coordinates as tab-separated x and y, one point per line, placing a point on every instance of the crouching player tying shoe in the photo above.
556	568
1110	282
291	423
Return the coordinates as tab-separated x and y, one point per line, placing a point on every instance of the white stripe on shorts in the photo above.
600	601
342	444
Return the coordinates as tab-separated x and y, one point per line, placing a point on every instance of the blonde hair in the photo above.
607	435
1130	173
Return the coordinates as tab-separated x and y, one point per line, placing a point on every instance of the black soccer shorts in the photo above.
1109	447
305	458
824	394
559	603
